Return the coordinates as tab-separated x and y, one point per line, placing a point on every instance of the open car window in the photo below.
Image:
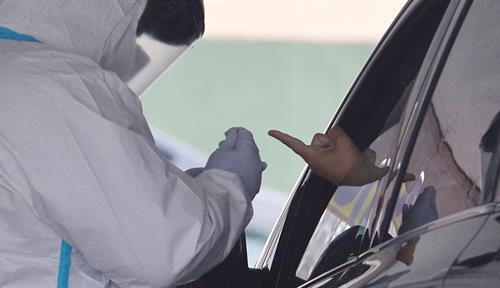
343	230
447	158
373	118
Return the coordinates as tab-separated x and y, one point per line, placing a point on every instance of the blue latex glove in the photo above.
422	212
239	154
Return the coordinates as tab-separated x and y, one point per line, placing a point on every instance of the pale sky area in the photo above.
300	20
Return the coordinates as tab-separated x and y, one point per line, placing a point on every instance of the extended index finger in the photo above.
293	143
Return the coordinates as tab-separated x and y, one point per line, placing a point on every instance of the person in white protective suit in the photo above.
86	200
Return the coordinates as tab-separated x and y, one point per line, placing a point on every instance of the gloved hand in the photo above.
239	154
422	212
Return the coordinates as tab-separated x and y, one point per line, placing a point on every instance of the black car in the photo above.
428	103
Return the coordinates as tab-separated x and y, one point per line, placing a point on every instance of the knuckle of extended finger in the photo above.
318	135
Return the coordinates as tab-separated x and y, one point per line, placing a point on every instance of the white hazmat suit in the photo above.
78	162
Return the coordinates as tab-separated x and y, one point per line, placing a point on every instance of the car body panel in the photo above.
422	257
479	263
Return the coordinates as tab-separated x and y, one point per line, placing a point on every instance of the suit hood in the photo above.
103	30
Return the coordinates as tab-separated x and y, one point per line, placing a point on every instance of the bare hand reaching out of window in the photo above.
335	157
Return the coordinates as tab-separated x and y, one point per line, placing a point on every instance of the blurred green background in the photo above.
293	87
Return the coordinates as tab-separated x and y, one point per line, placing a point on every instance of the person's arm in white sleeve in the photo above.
106	190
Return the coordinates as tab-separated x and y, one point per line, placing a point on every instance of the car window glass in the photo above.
342	230
447	157
373	120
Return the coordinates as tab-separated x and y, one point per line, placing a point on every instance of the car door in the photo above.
457	111
417	259
323	227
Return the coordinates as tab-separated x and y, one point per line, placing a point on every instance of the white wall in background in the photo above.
300	20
